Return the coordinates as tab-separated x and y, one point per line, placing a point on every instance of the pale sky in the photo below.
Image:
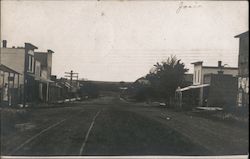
122	40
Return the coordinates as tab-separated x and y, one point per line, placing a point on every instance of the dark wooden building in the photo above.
243	63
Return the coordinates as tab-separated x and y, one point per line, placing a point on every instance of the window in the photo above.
31	63
198	75
37	68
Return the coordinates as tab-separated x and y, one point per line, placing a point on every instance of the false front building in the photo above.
29	74
243	64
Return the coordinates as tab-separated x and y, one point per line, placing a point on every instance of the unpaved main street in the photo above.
112	126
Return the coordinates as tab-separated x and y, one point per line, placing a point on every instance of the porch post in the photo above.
13	88
2	88
14	78
3	77
47	92
18	88
8	88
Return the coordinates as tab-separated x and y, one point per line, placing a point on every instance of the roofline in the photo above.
107	82
236	68
208	74
42	52
31	45
11	70
197	62
50	51
13	48
242	34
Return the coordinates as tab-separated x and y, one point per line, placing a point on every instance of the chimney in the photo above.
219	64
50	51
220	67
4	43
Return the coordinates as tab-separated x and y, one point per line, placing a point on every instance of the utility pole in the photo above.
72	76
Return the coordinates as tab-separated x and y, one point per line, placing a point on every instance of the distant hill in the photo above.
107	85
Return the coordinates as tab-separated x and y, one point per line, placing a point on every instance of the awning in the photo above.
7	69
193	87
40	79
67	84
56	85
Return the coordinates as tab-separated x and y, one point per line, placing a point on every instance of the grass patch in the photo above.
10	117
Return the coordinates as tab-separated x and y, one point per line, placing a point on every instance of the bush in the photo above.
143	93
89	89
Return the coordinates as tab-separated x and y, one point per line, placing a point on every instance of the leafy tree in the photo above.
166	76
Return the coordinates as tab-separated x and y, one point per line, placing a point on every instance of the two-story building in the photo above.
9	84
221	92
243	64
208	83
45	65
24	62
19	59
200	71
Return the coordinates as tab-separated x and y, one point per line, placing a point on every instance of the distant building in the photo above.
200	71
23	61
188	79
46	62
59	89
243	64
218	90
19	59
198	93
142	81
222	91
13	58
44	59
9	84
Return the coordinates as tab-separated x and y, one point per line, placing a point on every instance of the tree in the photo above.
89	89
166	76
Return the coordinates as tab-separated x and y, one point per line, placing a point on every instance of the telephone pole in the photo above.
72	75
